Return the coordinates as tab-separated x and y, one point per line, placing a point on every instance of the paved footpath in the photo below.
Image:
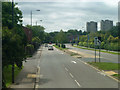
27	76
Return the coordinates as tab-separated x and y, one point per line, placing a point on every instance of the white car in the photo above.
50	48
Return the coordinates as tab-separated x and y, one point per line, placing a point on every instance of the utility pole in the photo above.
99	40
12	27
87	40
31	17
95	53
95	43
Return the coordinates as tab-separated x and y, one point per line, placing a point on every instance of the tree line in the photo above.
109	39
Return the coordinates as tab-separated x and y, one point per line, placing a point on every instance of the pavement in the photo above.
27	76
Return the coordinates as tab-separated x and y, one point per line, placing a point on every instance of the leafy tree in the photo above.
38	31
7	15
61	37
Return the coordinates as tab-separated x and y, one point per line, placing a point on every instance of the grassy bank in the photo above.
60	47
97	50
116	76
105	65
8	74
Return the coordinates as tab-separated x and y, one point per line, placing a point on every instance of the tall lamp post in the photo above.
36	22
13	27
31	15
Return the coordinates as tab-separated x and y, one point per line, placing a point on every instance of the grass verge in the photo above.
97	50
60	47
116	76
105	65
8	74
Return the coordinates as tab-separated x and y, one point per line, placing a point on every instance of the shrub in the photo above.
85	44
81	43
29	49
63	46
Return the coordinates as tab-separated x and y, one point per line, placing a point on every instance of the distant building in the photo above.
106	25
91	26
28	33
118	24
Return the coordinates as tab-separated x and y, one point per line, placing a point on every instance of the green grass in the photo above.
8	74
97	50
60	47
73	54
116	76
105	65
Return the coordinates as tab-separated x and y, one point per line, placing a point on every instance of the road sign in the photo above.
97	41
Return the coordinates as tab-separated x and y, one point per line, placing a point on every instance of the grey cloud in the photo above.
72	14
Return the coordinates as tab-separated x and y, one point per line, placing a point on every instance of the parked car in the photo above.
50	48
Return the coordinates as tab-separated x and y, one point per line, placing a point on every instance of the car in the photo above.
50	48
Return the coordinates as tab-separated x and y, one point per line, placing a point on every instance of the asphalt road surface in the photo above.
60	70
105	57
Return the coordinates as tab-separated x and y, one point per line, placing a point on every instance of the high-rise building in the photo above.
106	25
91	26
118	24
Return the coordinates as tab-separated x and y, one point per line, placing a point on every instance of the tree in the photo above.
61	37
38	31
7	15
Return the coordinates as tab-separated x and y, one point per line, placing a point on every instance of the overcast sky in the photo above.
69	14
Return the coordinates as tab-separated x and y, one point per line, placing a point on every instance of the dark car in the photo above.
50	48
46	45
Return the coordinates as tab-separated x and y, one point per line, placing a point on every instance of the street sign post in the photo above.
88	40
97	42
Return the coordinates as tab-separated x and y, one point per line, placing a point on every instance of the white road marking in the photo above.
66	69
102	73
73	62
77	83
71	75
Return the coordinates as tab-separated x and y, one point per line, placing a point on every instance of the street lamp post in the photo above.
31	16
36	22
12	27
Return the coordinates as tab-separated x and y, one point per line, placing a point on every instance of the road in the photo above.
60	70
105	57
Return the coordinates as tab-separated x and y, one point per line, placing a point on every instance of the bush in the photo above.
102	45
81	43
85	44
29	49
63	46
91	44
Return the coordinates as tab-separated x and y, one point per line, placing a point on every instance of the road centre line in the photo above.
77	83
71	75
66	69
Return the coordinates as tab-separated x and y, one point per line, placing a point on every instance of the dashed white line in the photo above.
73	62
66	69
71	75
77	83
